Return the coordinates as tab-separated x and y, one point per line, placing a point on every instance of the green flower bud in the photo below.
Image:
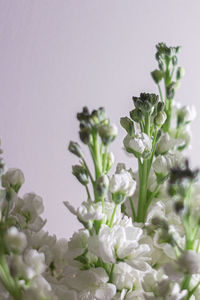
136	115
110	161
160	106
128	125
157	76
179	207
170	91
107	133
75	149
160	222
80	173
180	73
160	118
85	136
102	186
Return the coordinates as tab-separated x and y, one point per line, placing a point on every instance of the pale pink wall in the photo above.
56	56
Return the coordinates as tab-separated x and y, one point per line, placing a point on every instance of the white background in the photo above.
56	56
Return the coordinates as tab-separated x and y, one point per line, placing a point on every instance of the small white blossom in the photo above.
13	177
122	183
140	143
16	240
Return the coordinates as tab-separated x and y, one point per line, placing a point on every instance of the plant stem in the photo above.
112	217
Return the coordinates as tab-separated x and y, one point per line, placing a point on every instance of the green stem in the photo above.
88	193
132	208
111	273
160	92
112	217
7	280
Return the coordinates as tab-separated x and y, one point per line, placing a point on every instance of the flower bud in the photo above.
107	133
80	173
170	90
157	76
128	125
160	222
160	106
102	185
160	165
160	118
179	207
180	73
110	161
85	135
13	178
15	240
75	149
136	115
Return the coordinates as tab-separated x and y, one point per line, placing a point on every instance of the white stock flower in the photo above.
91	284
122	183
16	240
187	113
140	143
125	277
167	143
13	177
35	260
115	242
189	262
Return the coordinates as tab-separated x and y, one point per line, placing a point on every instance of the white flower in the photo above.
114	242
124	276
35	260
140	143
13	177
190	262
91	284
187	113
166	143
122	183
16	240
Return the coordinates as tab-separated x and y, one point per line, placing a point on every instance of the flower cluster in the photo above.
140	235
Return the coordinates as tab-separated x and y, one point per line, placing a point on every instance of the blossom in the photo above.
13	178
16	240
140	143
116	242
122	183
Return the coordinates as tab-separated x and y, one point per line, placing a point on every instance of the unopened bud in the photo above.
157	76
75	149
160	106
80	173
180	73
102	185
136	115
13	178
159	222
110	161
170	91
128	125
107	133
160	118
85	136
179	207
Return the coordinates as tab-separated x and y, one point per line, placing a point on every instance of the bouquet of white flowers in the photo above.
140	235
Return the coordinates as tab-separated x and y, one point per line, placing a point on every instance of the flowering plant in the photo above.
140	234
